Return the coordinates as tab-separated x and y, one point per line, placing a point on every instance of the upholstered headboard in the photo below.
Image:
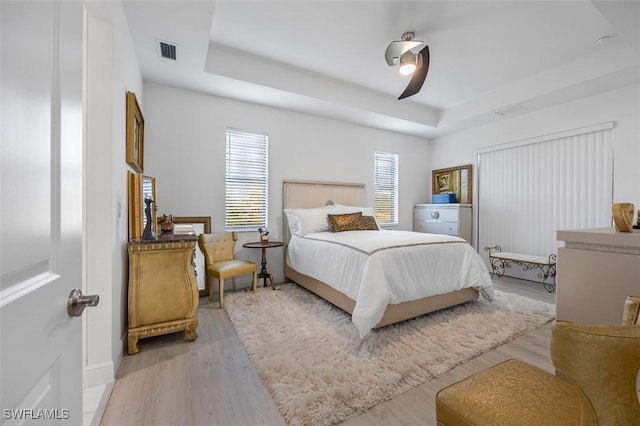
305	194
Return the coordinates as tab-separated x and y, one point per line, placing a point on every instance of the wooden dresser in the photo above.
163	293
597	269
449	219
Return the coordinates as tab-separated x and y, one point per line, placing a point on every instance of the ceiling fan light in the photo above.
407	63
407	69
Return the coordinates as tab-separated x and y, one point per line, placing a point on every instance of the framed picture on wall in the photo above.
135	134
454	180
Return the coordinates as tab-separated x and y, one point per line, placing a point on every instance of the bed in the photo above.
380	277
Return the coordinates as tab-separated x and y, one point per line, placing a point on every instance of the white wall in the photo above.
621	106
111	70
126	77
185	152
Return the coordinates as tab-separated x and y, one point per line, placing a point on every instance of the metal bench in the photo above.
500	261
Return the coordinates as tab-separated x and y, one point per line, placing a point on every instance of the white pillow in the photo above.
305	221
366	211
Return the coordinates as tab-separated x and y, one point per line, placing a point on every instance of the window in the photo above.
386	188
246	180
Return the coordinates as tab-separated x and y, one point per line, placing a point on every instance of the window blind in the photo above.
530	189
246	180
386	188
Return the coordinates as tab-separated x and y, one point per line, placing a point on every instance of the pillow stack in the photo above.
345	218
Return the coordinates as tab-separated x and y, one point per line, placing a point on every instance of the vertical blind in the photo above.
246	180
386	188
528	190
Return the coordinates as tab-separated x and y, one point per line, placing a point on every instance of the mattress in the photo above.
378	268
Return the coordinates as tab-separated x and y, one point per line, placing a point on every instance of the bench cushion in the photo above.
513	393
527	258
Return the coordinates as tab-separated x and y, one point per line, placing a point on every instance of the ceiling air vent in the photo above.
511	109
167	50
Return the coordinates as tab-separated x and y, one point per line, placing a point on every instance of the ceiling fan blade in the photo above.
419	75
397	48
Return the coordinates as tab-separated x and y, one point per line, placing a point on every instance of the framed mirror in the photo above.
201	225
456	180
139	188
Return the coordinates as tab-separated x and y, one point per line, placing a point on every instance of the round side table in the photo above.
264	274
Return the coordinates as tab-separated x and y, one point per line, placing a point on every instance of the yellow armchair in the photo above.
631	311
596	382
218	249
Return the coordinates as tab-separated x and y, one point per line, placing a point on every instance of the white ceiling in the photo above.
327	57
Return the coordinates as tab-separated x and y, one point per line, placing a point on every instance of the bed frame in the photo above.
300	194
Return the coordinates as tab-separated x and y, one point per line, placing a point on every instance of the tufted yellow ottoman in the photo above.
513	393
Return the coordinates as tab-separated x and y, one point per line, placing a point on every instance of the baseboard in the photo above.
98	374
104	372
98	383
118	353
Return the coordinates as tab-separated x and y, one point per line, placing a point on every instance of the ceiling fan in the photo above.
399	53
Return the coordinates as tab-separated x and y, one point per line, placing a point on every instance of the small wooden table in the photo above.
264	274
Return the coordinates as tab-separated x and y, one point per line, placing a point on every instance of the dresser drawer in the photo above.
448	228
435	213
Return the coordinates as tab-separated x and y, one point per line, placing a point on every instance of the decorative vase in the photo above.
166	224
264	238
623	216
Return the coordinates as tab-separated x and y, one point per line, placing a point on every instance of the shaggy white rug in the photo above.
319	372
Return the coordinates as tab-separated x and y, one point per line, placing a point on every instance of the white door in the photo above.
41	211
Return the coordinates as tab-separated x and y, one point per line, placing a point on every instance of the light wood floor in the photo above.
212	382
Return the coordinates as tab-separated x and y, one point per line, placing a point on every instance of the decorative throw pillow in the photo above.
368	223
366	211
344	222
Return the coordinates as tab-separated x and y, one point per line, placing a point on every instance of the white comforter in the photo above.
377	268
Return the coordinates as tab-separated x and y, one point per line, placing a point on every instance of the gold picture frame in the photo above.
456	180
200	267
139	188
135	134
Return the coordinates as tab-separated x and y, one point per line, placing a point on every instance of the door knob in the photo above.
77	302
